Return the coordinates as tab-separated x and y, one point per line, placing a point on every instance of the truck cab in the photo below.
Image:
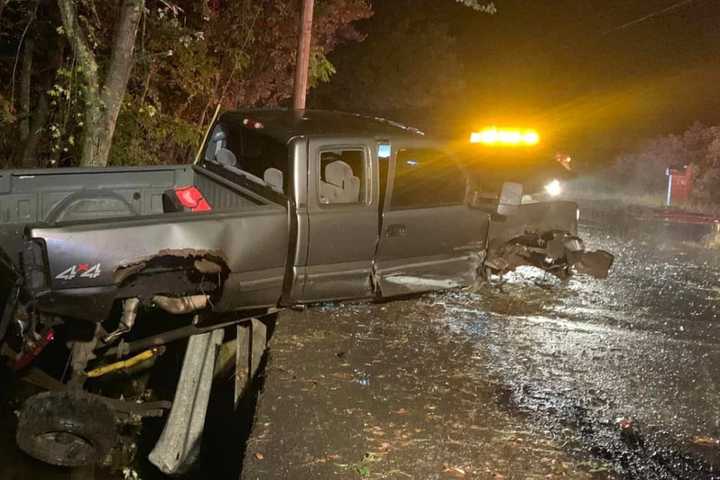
376	208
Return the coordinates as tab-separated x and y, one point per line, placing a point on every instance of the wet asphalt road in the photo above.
642	346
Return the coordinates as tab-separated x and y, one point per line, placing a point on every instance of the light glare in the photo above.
553	188
505	137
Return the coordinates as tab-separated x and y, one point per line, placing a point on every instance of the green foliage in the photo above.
189	57
66	120
145	136
7	117
408	61
321	70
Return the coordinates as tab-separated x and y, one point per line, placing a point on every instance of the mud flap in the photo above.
179	444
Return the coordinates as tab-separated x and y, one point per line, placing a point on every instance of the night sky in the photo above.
578	69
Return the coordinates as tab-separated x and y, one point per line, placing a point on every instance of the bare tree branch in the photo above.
17	54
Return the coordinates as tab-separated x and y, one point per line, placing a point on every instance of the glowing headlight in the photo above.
553	188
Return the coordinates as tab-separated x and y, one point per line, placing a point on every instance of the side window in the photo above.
343	175
426	178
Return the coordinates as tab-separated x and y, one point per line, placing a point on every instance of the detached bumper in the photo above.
543	235
558	253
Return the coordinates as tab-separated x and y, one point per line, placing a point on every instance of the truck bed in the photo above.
32	196
60	196
29	196
105	233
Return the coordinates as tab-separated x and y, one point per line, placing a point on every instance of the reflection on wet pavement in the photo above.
641	346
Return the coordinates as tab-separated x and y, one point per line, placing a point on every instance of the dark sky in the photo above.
574	64
571	69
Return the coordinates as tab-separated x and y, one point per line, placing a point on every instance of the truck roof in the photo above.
283	125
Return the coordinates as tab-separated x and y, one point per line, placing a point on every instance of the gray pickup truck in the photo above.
279	210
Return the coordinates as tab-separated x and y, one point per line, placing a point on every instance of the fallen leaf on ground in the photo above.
705	441
455	472
372	457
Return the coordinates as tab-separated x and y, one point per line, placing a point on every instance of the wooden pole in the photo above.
303	55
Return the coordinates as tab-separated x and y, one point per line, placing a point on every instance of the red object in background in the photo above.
192	199
680	184
214	6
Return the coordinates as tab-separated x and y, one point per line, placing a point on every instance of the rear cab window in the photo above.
250	153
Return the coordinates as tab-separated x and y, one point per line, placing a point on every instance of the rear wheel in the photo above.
69	429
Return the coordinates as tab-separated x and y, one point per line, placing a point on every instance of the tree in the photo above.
102	100
643	171
409	64
146	81
241	55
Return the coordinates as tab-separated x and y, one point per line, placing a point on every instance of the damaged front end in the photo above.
556	252
542	235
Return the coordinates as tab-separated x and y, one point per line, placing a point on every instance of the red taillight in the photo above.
192	199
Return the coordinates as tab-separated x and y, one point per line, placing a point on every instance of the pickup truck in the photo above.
279	210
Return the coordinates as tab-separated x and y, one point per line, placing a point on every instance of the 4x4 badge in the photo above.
81	270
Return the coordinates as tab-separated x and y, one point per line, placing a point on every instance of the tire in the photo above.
69	429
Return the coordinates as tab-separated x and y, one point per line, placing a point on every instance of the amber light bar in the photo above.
505	137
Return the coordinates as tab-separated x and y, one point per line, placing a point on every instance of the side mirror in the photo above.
510	198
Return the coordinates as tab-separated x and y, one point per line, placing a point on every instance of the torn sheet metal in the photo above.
204	261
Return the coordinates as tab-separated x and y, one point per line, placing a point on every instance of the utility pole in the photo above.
303	55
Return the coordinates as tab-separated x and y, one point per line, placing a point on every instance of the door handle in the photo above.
396	230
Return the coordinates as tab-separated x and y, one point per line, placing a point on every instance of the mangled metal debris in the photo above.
558	253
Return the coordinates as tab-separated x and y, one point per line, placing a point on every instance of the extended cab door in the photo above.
429	239
342	208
